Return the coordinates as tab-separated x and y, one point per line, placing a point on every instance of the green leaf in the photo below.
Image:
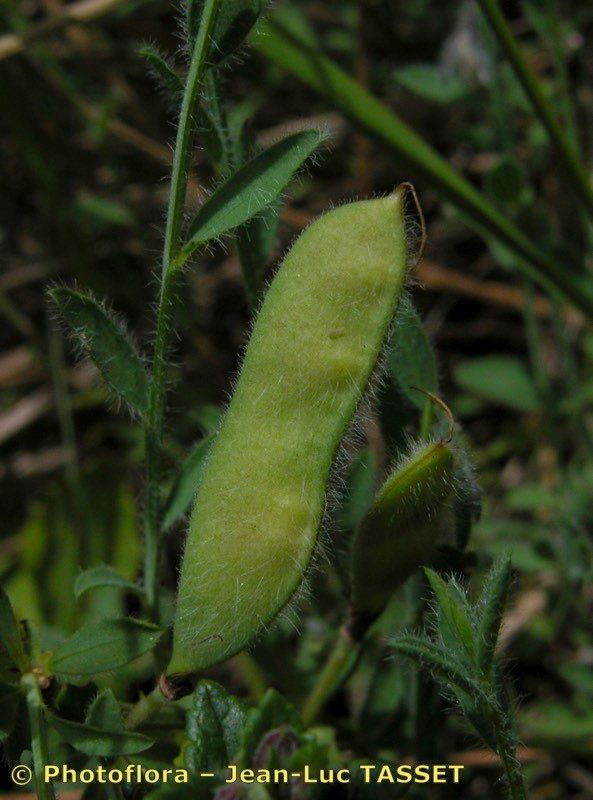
103	646
105	712
429	82
250	189
283	45
234	20
439	662
493	601
361	482
10	634
187	482
100	336
499	379
455	624
272	712
411	360
98	577
95	741
214	724
10	700
163	71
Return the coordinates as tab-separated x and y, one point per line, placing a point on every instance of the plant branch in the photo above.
338	666
145	708
532	87
156	400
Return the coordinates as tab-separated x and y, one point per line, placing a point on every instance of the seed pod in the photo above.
260	503
412	514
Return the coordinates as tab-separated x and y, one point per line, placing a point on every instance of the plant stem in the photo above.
541	104
156	400
512	768
145	708
45	790
338	666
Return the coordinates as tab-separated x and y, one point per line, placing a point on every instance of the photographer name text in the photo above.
369	773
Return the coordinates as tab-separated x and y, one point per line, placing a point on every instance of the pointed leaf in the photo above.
10	634
103	646
249	190
163	71
493	601
98	577
454	617
213	728
411	361
187	482
94	741
100	336
438	662
105	712
361	481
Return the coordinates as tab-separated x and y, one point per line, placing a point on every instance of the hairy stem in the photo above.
561	140
156	400
512	768
145	708
336	669
45	790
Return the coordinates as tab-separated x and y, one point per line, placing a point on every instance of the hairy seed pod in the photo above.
412	514
313	349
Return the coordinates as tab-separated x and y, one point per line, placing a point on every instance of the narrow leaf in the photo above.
493	601
458	632
10	634
98	577
411	361
439	662
103	646
163	71
249	190
100	336
93	741
187	482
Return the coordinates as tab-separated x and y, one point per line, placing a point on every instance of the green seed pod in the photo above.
411	516
313	349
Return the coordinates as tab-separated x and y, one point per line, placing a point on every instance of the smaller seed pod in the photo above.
414	514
